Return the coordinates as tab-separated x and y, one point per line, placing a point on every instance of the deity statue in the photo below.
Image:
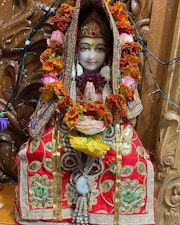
84	163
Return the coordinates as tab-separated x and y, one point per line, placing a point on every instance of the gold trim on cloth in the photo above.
118	174
116	51
57	177
70	47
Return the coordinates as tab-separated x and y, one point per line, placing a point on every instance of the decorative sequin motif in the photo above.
127	171
40	190
34	166
69	161
94	193
48	146
140	150
34	144
132	196
109	136
126	147
47	163
106	185
40	117
71	194
141	168
112	168
127	132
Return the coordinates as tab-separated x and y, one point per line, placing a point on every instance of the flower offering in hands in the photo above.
90	126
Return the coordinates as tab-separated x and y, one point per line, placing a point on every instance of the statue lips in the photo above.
91	63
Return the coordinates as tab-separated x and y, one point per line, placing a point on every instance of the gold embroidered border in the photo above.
57	178
116	50
70	47
118	174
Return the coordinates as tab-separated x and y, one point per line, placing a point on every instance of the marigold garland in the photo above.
73	115
56	87
129	66
62	20
99	112
52	61
131	48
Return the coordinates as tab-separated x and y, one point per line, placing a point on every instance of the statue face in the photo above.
91	53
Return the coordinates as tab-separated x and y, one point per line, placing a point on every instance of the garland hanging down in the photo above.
116	105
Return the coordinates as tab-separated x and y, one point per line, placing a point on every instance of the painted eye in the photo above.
100	49
84	48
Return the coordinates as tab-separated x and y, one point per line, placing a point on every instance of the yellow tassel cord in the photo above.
57	178
118	175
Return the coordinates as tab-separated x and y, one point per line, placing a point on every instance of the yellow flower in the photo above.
91	145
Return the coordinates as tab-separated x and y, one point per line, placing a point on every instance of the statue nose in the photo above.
92	54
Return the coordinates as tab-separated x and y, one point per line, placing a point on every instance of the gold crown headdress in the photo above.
95	27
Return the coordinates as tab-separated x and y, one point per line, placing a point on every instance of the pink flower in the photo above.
49	78
129	82
56	36
124	37
90	126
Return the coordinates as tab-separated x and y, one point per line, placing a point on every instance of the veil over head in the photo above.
83	8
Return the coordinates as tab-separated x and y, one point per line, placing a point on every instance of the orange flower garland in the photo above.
99	112
56	87
129	66
51	62
129	63
73	115
66	10
131	48
121	18
116	105
64	16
